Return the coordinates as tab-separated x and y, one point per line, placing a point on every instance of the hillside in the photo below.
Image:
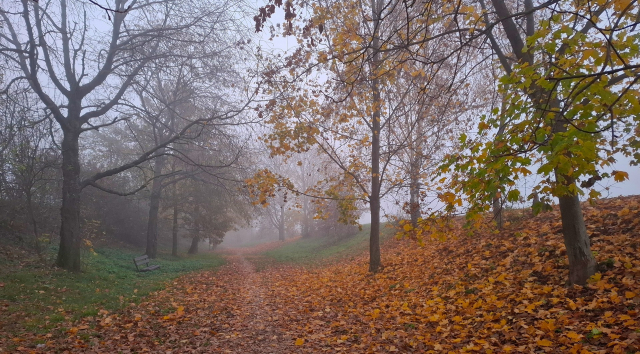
489	293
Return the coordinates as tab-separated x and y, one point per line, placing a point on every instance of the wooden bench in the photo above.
144	261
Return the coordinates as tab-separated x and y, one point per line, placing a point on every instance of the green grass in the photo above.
39	298
314	250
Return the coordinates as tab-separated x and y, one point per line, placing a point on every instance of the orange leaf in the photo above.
545	343
574	336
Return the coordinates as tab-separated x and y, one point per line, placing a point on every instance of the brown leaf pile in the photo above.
490	293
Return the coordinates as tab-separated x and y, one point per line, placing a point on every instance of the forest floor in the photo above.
486	293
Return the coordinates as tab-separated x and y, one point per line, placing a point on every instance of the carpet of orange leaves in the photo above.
490	293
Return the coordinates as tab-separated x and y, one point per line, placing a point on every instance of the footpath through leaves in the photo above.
490	293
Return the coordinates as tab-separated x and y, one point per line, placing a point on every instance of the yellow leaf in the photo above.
572	305
620	176
591	53
624	212
595	278
620	5
574	336
375	313
629	295
73	330
545	343
407	227
299	341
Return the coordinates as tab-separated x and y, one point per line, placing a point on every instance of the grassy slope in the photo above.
36	299
317	250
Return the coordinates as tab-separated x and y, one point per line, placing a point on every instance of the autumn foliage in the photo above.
488	292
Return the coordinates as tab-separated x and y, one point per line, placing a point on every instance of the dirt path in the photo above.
229	310
256	317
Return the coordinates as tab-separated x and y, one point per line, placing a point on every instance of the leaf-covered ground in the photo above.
490	293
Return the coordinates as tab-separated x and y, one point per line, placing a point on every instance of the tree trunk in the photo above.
414	195
306	220
581	261
582	265
374	235
194	243
534	204
497	212
154	207
281	224
174	229
415	165
374	199
70	238
196	225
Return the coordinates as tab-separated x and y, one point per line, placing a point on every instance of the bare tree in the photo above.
29	160
81	65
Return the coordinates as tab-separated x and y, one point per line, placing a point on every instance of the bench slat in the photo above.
144	261
141	258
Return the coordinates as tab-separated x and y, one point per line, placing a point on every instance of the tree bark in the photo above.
70	238
374	235
414	194
306	220
374	198
194	243
582	265
154	207
497	212
281	224
196	225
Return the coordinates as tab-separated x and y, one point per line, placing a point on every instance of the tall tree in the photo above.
571	109
360	48
80	77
